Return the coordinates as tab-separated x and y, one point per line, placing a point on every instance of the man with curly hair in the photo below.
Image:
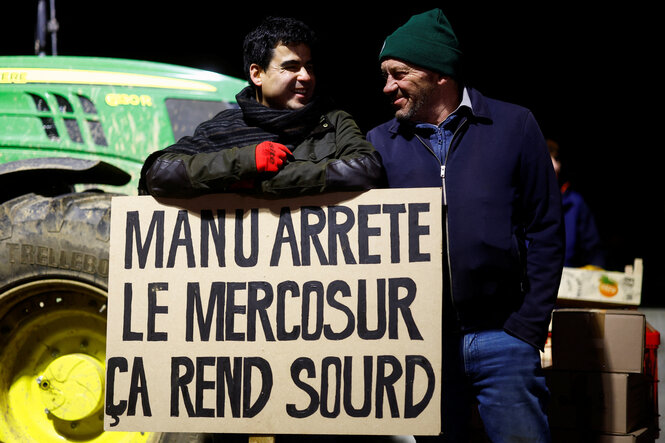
284	139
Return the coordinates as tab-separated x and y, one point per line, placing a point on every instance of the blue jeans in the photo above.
503	374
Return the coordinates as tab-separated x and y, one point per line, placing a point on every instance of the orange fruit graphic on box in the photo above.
608	287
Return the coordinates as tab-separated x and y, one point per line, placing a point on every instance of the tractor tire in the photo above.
54	254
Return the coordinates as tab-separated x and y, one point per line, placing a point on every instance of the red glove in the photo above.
270	156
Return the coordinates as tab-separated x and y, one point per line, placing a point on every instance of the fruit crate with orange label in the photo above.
601	286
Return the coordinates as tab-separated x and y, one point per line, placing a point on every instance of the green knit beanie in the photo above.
426	40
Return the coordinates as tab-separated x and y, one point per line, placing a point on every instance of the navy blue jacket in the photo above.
502	215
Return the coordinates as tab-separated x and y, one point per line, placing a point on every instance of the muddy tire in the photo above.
54	255
65	237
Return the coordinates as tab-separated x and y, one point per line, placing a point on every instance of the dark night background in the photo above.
586	72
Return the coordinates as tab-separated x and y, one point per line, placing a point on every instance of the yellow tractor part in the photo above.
52	359
72	387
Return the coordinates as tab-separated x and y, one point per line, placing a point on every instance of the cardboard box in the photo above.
604	287
599	401
610	340
644	435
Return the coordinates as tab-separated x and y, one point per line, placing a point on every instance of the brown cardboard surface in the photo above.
609	340
599	401
314	315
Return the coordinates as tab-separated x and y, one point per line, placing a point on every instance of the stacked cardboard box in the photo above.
599	388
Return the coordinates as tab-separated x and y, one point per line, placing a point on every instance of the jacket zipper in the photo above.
445	206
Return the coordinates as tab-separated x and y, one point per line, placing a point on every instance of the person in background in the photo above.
502	225
283	140
583	244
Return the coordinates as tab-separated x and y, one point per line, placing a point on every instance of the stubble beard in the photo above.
417	103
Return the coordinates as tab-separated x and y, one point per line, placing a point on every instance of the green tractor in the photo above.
74	131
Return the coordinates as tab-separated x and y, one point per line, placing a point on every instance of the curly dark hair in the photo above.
259	44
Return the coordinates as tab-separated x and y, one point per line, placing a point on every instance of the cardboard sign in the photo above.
314	315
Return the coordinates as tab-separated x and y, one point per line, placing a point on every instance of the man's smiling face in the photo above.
409	89
288	82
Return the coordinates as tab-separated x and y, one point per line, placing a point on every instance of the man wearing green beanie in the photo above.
503	228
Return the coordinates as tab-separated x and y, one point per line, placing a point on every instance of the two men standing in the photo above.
502	223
